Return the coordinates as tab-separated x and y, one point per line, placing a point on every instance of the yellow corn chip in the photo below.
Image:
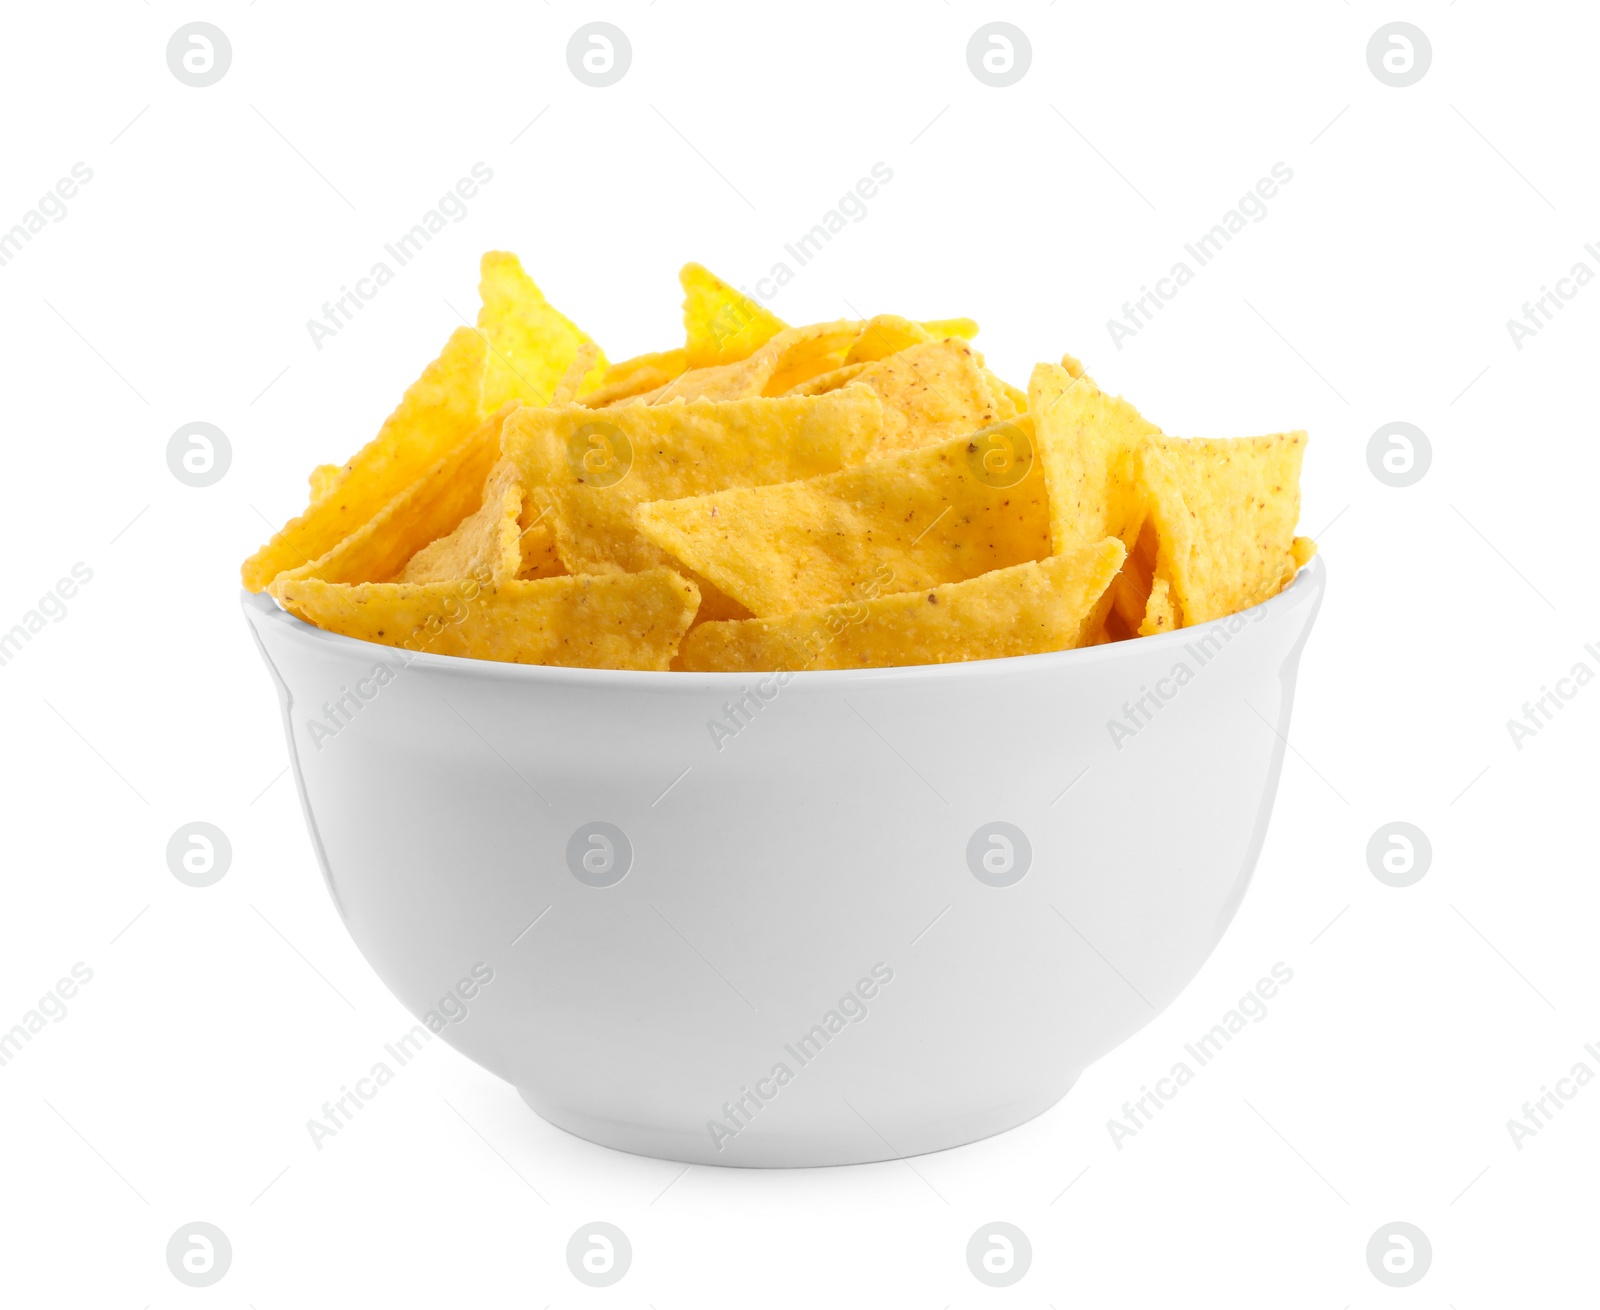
808	352
591	471
440	408
323	478
615	621
430	507
942	513
825	382
1224	512
791	357
885	335
485	545
633	376
531	342
888	334
930	392
1087	444
740	380
1021	610
722	325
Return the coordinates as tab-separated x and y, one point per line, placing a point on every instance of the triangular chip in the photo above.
743	379
1224	513
439	410
943	513
792	357
611	621
429	508
1087	443
930	392
1021	610
531	342
485	545
885	335
591	470
721	324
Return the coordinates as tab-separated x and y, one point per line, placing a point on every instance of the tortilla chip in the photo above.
931	392
439	410
632	376
885	335
617	621
792	357
1087	444
429	508
825	382
485	545
532	343
1224	512
740	380
591	472
939	514
809	352
722	325
1021	610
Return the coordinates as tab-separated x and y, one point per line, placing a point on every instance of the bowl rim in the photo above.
1304	589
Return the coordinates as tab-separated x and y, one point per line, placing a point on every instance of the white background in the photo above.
177	288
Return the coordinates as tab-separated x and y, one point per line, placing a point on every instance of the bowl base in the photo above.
820	1149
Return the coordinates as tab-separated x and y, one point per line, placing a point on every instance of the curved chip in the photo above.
599	621
591	470
485	545
1224	511
634	376
439	409
1022	610
943	513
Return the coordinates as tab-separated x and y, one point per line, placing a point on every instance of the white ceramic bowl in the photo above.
896	911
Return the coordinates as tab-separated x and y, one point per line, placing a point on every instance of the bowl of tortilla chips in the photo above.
796	747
